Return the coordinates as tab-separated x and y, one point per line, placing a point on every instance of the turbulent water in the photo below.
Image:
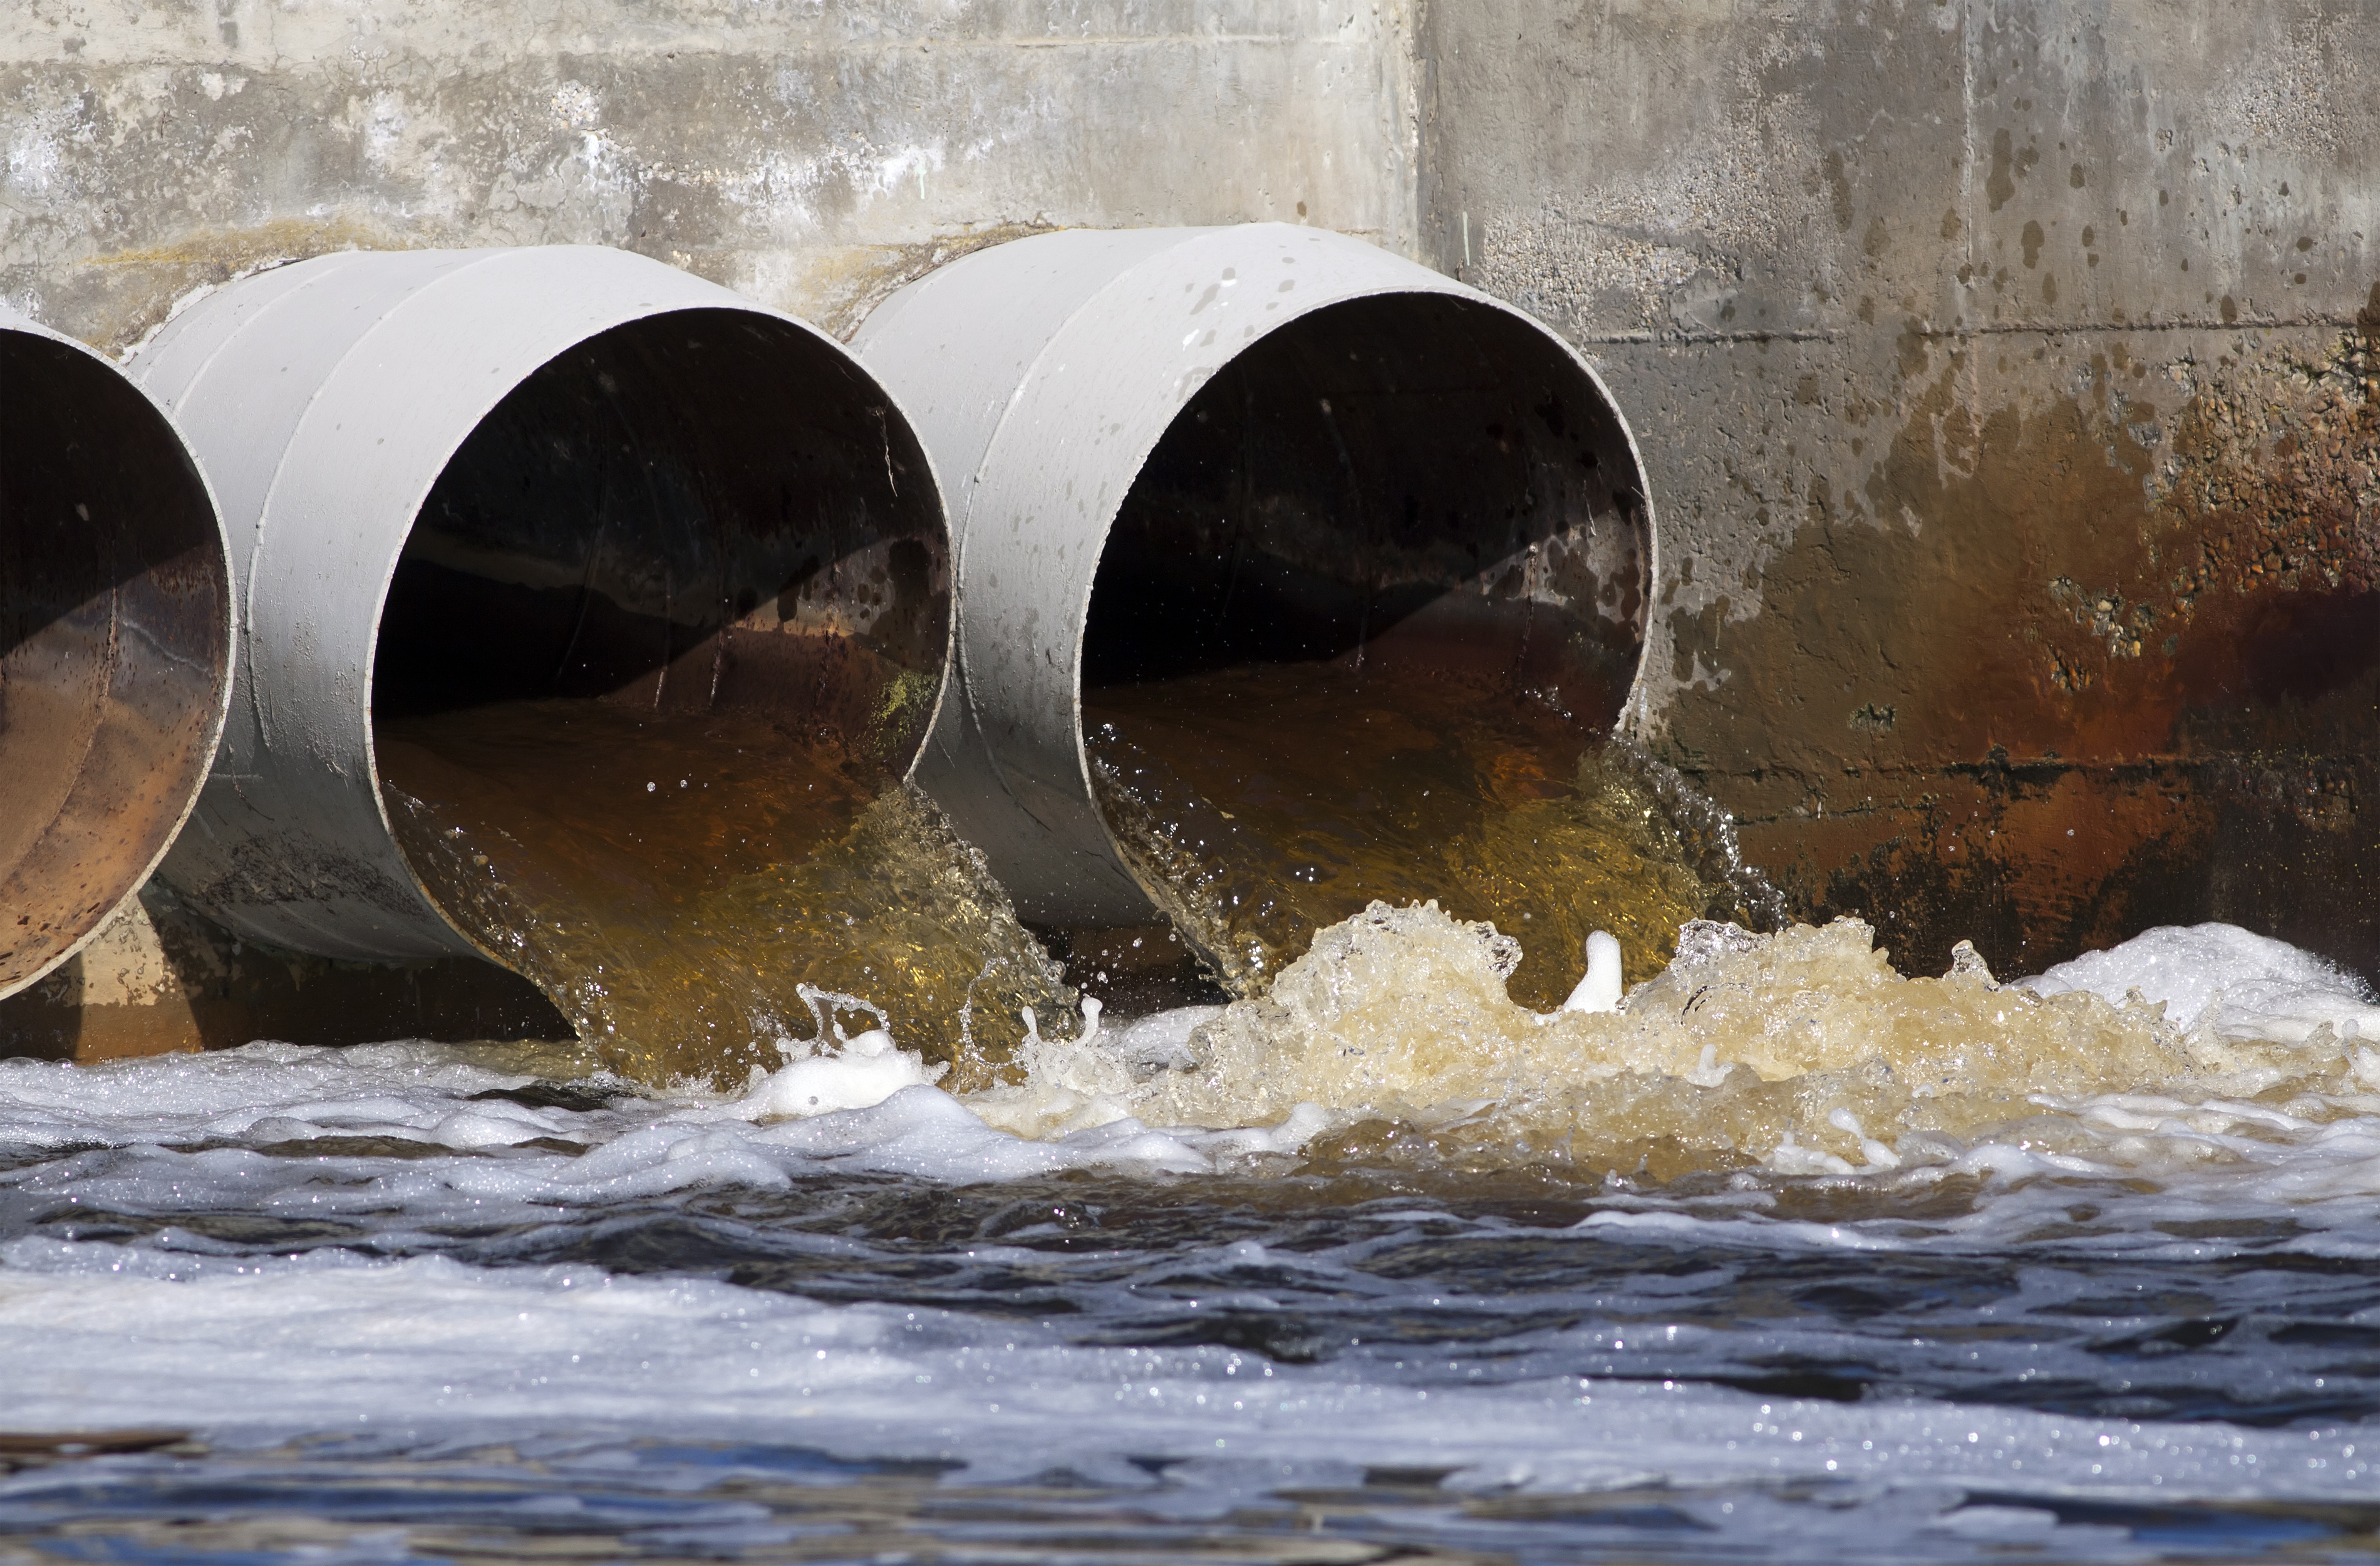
691	890
696	893
1803	1051
1265	802
1790	1256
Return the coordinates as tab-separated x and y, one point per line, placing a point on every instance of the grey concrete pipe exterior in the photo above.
1042	374
327	399
115	643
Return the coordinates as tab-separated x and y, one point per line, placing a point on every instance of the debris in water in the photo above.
1600	990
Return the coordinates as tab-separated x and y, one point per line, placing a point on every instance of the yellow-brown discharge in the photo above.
1267	802
1803	1051
674	883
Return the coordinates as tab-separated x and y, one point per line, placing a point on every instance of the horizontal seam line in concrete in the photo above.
659	174
199	56
2010	329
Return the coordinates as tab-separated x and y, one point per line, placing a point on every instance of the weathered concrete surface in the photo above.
812	154
2006	377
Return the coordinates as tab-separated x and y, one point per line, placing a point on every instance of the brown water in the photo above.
689	889
1268	802
1804	1051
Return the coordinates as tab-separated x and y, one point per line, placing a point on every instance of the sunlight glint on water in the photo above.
2079	1275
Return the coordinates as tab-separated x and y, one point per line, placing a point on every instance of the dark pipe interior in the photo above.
707	511
1357	632
115	643
667	629
1415	480
671	615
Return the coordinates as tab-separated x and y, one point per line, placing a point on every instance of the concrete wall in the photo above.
2003	369
813	153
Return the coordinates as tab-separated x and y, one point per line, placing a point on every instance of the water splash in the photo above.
1264	803
1803	1051
687	890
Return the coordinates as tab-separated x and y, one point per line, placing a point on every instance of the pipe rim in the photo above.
1057	315
937	507
1632	700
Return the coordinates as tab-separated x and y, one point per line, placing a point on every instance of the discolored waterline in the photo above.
1264	802
691	889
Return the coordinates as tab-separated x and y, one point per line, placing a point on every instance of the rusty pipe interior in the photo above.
116	640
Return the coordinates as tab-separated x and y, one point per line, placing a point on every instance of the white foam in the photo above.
2232	981
266	1091
169	1332
866	1071
1084	1102
869	1105
259	1349
1159	1042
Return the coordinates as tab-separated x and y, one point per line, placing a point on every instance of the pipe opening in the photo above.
681	548
115	645
662	644
1362	629
683	516
1409	483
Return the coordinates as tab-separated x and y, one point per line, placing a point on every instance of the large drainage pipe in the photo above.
115	643
1269	491
521	523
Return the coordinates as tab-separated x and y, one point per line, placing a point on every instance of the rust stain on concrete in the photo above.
2056	675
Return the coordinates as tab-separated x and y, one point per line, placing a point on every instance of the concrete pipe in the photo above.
116	642
1182	451
459	479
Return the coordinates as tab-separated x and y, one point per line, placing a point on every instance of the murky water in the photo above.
2094	1278
1789	1255
690	890
1269	801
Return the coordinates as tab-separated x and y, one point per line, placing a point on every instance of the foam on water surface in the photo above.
2231	980
1836	1258
333	1343
1804	1051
